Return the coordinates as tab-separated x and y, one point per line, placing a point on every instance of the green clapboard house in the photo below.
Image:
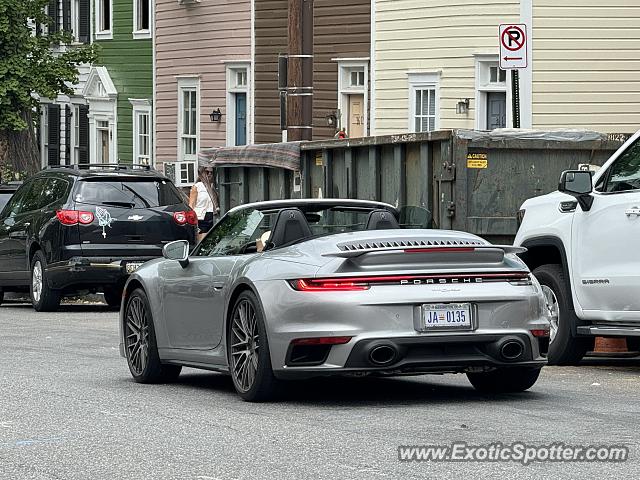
119	88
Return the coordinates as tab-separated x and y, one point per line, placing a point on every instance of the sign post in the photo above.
513	56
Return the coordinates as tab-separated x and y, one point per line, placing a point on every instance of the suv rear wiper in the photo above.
120	204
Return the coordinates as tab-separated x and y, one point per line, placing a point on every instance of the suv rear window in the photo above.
133	193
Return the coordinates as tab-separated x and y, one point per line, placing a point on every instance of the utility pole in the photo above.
300	71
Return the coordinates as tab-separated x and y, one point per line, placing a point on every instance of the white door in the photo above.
606	257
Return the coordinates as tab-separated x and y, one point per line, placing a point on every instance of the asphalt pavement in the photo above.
69	410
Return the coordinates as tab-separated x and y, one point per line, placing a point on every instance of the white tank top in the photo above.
203	201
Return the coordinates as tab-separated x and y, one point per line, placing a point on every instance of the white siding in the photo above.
587	64
437	35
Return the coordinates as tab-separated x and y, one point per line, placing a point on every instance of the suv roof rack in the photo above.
114	166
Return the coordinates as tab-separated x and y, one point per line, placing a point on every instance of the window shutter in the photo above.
54	14
67	133
83	140
66	16
84	20
54	135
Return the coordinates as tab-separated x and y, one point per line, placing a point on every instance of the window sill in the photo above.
141	35
107	35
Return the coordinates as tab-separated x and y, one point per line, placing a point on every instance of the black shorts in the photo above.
206	223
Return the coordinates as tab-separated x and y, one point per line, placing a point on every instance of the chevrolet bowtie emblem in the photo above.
135	218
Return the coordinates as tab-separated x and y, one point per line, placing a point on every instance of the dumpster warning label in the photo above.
477	160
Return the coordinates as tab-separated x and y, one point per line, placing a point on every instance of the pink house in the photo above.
202	78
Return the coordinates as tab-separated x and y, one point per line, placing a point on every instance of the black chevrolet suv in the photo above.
69	229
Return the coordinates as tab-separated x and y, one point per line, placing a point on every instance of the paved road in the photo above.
69	410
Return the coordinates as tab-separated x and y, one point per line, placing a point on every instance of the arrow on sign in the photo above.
506	59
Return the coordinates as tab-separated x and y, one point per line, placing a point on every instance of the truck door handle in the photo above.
633	211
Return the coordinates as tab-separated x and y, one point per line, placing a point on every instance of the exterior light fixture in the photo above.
332	120
462	107
216	115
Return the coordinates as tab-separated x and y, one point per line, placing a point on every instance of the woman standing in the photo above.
203	198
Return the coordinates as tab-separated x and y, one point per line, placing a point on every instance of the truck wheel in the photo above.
564	347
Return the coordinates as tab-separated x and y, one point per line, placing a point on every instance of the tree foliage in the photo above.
30	65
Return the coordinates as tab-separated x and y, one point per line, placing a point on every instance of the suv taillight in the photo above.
74	217
182	218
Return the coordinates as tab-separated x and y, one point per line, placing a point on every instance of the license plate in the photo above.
446	316
132	266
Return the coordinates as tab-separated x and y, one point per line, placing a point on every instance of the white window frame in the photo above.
423	81
345	66
139	33
103	34
482	64
44	134
187	83
182	170
141	107
75	20
232	69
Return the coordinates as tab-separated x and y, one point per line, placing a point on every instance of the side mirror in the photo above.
178	250
578	184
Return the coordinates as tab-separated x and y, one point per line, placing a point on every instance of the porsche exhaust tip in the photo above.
512	350
382	355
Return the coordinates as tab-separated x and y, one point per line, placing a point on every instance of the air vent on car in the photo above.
382	244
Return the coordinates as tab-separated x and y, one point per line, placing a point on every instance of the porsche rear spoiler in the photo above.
424	249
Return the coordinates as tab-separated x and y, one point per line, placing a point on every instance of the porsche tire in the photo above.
141	349
504	380
248	351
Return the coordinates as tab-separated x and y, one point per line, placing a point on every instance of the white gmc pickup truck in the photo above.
583	246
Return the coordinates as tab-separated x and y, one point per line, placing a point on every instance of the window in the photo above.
424	102
356	78
624	174
103	19
237	104
141	18
76	135
44	134
141	132
182	173
143	193
188	118
425	110
236	233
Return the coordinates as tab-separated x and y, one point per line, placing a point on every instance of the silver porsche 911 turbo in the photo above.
294	289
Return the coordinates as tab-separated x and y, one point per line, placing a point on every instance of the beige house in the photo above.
432	59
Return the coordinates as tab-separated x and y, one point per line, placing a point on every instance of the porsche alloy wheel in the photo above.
140	344
248	351
136	334
245	345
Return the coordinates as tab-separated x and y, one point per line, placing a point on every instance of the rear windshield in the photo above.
132	193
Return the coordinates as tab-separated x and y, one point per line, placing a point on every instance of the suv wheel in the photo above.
564	347
43	298
113	296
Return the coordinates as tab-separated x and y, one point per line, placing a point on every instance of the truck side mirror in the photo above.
578	184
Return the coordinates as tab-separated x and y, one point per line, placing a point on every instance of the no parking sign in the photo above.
513	46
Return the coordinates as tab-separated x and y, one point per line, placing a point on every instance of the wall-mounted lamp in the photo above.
216	115
462	107
332	119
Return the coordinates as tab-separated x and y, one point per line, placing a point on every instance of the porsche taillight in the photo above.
74	217
327	285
